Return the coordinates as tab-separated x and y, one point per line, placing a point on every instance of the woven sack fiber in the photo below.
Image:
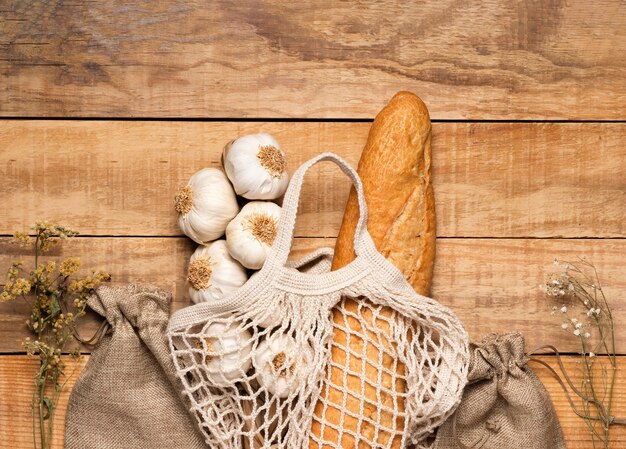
126	396
504	405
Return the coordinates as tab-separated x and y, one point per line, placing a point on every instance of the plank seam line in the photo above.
298	120
443	237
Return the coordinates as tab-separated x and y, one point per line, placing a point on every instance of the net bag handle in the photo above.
282	245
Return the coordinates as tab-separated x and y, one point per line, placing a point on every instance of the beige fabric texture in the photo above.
126	397
504	405
253	364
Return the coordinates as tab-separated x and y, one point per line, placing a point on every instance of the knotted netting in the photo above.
352	358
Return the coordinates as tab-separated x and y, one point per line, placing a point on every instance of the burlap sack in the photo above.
504	404
126	396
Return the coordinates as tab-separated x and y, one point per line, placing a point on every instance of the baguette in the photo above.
395	171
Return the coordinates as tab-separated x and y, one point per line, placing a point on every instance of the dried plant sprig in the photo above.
585	313
58	302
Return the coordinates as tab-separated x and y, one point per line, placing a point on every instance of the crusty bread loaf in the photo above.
395	171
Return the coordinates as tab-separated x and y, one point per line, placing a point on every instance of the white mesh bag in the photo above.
254	364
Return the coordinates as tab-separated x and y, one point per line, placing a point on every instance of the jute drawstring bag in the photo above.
126	396
504	405
253	364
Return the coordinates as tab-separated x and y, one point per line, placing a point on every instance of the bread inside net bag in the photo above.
395	169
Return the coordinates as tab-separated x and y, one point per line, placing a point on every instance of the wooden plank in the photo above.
16	392
491	179
485	60
574	428
492	284
16	389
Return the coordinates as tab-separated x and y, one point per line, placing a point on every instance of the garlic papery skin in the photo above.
213	273
228	348
252	232
282	366
257	167
206	205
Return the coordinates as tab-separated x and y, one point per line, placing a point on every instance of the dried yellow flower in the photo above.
49	267
14	270
69	266
57	302
20	287
21	238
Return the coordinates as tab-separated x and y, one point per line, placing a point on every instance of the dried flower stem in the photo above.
579	284
59	301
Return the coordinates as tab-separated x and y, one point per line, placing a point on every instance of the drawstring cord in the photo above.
96	337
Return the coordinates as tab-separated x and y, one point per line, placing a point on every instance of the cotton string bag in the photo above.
505	405
253	364
126	397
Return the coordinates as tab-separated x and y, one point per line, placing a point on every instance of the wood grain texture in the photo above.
490	179
510	196
16	390
492	284
494	59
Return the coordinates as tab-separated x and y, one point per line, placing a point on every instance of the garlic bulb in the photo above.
252	232
257	167
206	205
213	273
269	314
229	349
282	366
270	317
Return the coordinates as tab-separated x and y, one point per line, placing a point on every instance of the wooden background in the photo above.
107	108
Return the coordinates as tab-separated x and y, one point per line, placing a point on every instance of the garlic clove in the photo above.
206	205
256	166
281	365
213	273
251	234
228	348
